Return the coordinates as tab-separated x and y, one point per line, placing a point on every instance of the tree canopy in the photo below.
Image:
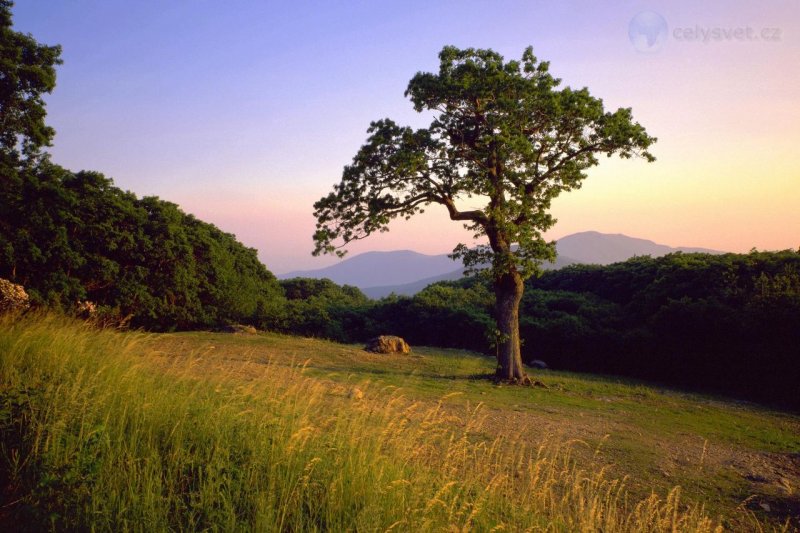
504	133
69	236
27	72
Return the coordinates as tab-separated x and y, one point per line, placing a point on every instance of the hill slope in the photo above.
221	431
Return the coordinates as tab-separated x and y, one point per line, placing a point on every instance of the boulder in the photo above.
12	297
538	363
240	329
387	344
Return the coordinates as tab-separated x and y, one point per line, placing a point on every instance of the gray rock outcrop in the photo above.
388	344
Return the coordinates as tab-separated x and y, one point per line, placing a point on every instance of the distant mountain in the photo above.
405	272
410	289
371	269
604	248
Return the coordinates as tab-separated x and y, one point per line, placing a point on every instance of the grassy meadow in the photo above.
104	430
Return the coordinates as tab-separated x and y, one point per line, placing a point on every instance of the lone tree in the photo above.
503	132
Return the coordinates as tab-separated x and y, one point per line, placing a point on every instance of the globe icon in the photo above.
647	31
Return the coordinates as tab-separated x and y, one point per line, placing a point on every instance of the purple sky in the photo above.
244	113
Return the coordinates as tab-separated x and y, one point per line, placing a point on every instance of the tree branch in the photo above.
474	216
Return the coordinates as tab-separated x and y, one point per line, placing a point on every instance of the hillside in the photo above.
70	236
273	432
406	272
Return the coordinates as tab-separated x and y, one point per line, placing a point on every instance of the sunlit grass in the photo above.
102	431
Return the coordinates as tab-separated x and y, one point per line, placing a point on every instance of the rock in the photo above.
13	297
387	344
538	363
240	328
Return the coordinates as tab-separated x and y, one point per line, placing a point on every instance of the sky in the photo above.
244	113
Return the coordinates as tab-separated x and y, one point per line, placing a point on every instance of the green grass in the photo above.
112	431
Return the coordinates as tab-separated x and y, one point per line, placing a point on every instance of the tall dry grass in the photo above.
100	432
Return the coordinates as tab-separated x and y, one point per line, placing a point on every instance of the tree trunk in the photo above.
508	293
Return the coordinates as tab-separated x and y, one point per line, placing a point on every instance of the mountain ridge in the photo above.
406	272
362	269
605	248
410	289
